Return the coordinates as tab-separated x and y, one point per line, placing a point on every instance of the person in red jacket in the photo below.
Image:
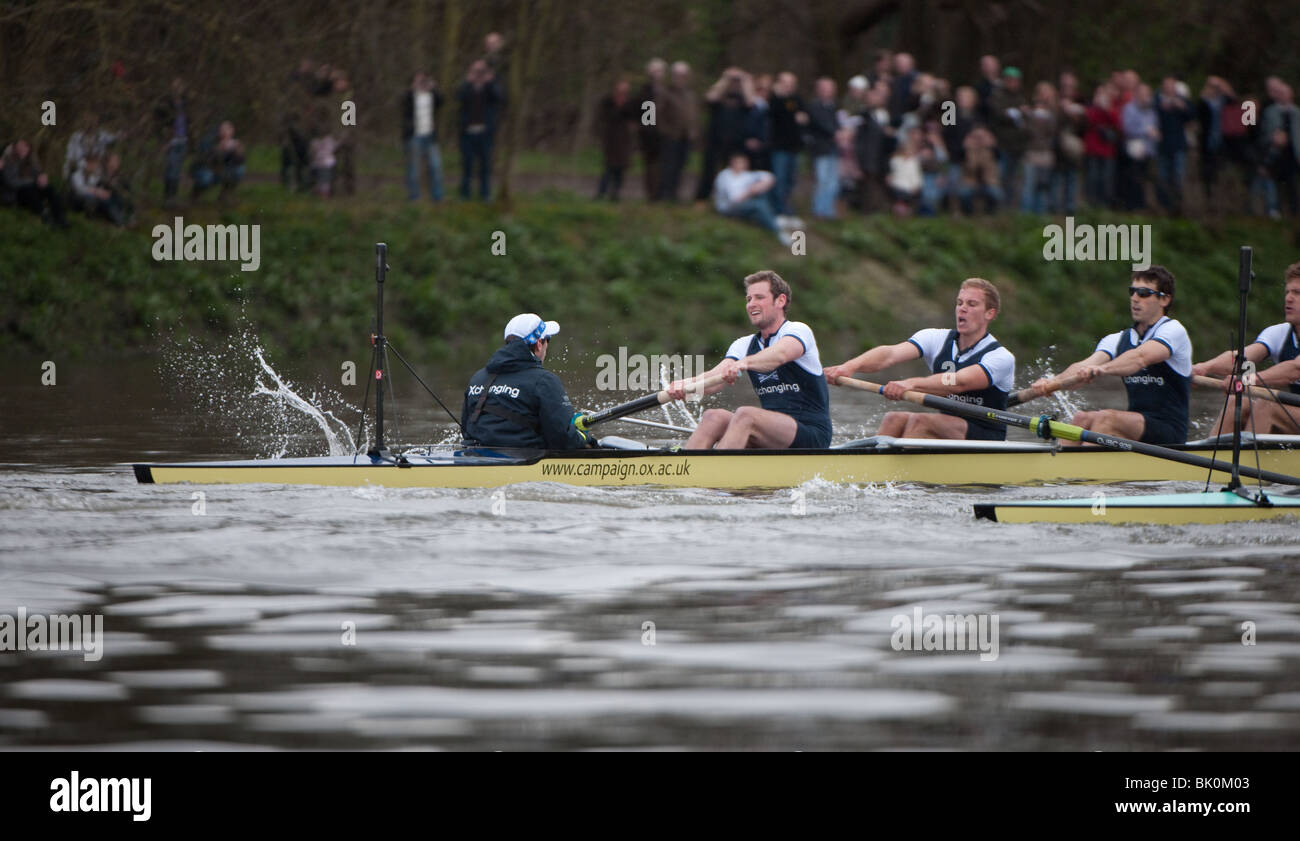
1100	139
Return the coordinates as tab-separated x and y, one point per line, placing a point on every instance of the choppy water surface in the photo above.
376	618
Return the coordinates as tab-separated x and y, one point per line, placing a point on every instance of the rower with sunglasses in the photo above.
1154	357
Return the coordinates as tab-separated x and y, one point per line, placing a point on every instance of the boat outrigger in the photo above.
620	462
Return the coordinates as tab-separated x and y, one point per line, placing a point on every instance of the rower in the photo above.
1154	357
968	364
1281	343
514	402
786	373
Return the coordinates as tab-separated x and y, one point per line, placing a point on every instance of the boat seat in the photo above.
614	442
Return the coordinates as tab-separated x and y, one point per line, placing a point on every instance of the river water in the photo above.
575	618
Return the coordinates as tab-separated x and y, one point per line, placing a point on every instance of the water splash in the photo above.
288	398
273	418
1067	403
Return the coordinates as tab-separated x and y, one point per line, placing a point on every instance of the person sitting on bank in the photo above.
1154	357
967	364
514	402
29	184
91	194
745	194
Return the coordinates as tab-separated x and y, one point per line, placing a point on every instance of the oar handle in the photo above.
1253	390
1024	395
916	397
648	401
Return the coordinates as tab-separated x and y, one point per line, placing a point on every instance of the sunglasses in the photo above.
1144	291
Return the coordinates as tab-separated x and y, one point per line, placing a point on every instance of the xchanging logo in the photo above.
475	390
780	388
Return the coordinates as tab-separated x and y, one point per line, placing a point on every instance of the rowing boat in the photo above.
628	463
878	460
1165	509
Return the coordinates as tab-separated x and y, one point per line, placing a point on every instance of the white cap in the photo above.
858	82
530	327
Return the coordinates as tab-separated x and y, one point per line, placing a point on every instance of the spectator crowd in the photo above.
893	139
900	140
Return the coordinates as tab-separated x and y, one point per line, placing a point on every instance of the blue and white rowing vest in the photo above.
1283	345
797	388
939	350
1163	390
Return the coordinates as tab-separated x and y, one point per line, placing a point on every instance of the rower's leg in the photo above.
1121	424
761	428
712	426
893	424
1271	418
947	427
1225	422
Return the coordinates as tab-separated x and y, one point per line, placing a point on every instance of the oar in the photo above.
1254	391
1024	395
640	404
1045	427
656	424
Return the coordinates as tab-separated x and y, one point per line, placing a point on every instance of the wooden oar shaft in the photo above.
640	404
1024	395
1254	391
1045	427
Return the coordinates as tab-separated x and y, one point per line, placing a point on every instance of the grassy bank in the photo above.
656	279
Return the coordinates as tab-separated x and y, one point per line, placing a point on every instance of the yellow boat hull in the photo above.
719	469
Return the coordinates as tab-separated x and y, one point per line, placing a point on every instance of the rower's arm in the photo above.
880	357
771	358
971	378
688	384
1221	365
1280	375
1098	358
1132	361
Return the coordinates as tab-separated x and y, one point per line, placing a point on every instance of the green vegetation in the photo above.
656	279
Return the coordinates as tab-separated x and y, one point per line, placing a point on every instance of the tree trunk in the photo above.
532	32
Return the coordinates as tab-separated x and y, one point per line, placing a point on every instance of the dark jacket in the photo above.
481	105
1172	122
728	125
615	128
408	112
822	125
872	147
526	390
901	98
167	109
19	174
787	134
1009	132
